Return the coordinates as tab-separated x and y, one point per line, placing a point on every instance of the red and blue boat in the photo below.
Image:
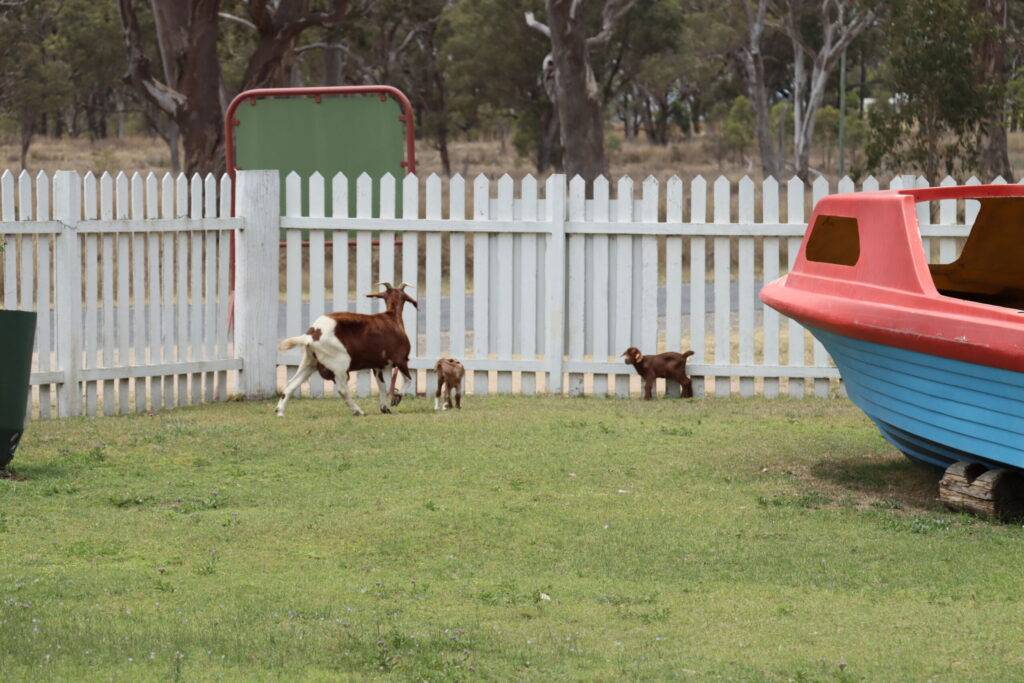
933	354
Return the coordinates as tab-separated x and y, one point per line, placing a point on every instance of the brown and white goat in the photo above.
450	374
339	343
669	365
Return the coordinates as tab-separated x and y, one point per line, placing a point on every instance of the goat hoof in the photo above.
385	410
396	398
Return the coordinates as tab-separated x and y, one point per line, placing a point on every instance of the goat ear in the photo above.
375	295
412	301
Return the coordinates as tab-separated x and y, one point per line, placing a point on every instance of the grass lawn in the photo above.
528	538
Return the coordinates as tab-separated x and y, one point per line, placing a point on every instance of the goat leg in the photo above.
396	398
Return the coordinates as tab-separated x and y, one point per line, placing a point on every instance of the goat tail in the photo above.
404	369
687	355
292	342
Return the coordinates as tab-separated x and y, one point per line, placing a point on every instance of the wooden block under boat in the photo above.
971	487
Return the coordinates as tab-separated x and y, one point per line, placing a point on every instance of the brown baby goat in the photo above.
449	377
669	365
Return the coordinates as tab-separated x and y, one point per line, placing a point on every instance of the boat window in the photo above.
834	239
990	268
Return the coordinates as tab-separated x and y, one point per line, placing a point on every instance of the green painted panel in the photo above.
351	134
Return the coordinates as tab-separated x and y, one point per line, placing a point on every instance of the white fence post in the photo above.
256	291
68	210
555	194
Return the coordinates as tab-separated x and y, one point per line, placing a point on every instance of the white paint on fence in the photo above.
135	273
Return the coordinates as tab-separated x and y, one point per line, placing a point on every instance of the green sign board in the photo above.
347	129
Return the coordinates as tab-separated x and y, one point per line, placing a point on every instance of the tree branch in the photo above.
320	46
541	28
238	20
140	73
611	14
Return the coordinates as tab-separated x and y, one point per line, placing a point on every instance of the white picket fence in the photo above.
559	285
533	288
130	283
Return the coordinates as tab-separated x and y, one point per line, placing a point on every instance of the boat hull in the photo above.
933	409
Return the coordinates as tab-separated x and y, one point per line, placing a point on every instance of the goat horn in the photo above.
387	285
406	284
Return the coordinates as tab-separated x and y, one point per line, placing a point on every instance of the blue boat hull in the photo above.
934	410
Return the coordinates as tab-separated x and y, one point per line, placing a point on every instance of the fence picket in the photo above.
649	267
386	240
210	285
623	286
44	306
364	266
698	257
528	284
723	285
795	214
124	299
770	269
481	281
673	276
577	279
7	213
195	309
167	285
28	257
293	263
138	272
181	210
947	216
68	302
745	285
505	309
410	267
339	243
599	293
317	251
155	350
432	246
457	269
91	319
223	286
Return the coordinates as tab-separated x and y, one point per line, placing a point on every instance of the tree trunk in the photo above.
580	111
27	131
753	65
187	37
757	92
332	57
549	151
991	57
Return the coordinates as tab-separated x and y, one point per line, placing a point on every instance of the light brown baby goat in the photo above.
449	378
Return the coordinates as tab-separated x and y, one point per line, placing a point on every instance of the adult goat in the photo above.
339	343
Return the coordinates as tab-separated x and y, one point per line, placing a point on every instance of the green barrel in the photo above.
17	333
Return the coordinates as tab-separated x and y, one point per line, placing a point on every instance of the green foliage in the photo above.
493	64
826	128
731	129
938	100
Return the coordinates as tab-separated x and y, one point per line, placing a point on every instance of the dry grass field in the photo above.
638	159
